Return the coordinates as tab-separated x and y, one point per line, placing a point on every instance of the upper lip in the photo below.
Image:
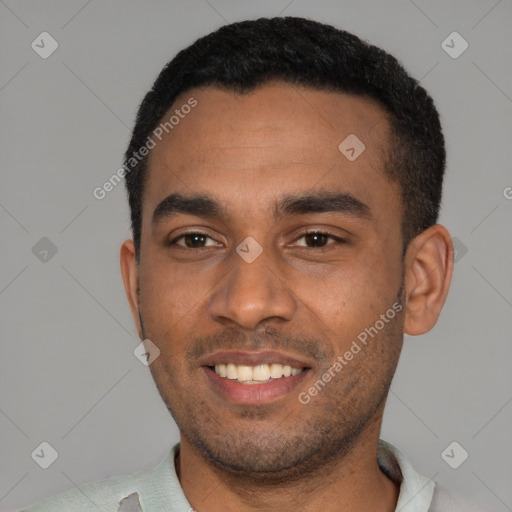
247	358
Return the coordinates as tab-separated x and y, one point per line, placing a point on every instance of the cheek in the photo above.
380	270
350	298
169	299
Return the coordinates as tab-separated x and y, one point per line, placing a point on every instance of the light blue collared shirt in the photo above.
159	490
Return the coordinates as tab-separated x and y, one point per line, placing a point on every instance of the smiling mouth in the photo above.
257	374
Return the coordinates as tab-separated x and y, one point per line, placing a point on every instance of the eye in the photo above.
318	239
193	240
198	240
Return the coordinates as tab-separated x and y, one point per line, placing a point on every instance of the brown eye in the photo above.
192	240
317	239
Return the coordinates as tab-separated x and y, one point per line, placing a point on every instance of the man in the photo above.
284	181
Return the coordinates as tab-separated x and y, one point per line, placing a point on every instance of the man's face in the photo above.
300	303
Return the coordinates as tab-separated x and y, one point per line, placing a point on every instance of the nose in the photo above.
252	294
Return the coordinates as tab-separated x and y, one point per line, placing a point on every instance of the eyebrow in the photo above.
295	204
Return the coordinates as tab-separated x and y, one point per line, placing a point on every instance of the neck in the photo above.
352	482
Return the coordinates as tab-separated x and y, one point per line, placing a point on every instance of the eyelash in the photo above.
337	239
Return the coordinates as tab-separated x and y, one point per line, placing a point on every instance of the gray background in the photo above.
69	376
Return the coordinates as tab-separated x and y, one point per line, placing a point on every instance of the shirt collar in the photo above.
415	495
416	490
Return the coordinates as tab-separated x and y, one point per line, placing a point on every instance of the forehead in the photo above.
279	137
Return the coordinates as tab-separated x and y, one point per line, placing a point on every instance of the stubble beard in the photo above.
332	424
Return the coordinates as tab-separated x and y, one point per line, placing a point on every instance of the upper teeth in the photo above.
261	372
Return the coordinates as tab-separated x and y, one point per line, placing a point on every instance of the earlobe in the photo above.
130	273
428	274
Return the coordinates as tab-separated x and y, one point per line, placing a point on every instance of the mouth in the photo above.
253	377
257	374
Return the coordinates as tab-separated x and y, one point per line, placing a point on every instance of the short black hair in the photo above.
245	55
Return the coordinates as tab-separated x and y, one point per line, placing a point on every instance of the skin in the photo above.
307	298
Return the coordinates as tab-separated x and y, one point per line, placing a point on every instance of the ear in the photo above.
130	273
428	274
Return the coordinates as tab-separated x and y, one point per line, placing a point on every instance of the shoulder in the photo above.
445	500
148	485
417	492
104	495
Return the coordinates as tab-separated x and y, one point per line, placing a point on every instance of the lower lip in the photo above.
238	393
